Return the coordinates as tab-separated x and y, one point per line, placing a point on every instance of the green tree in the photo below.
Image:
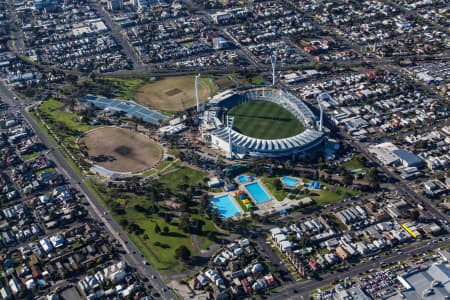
372	178
124	223
277	184
157	229
166	229
348	179
183	253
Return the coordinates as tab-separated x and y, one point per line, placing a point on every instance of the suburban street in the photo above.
303	288
132	256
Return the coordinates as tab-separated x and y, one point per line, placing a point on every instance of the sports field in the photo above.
264	120
121	150
174	93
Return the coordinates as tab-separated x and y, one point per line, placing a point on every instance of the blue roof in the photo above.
130	108
409	157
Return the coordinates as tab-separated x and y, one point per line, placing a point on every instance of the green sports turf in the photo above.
264	120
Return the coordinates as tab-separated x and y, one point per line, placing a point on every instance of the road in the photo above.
16	33
133	257
402	185
115	32
302	289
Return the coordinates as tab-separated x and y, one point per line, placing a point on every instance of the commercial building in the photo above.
430	283
114	5
144	4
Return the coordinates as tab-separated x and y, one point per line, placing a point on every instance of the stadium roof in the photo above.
301	140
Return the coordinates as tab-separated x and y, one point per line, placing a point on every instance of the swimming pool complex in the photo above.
225	206
257	192
289	181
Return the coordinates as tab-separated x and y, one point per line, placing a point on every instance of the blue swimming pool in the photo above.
257	192
225	206
289	181
242	179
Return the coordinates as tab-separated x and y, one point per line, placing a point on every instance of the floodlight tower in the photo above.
197	79
273	61
319	101
230	121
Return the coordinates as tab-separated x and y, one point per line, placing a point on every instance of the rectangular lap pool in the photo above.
257	192
289	181
225	206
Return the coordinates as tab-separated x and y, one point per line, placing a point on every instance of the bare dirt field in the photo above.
121	150
174	93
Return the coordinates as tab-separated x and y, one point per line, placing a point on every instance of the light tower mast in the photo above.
273	61
319	101
197	98
230	121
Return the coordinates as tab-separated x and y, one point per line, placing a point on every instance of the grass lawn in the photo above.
354	164
164	165
175	93
278	194
184	175
46	170
264	119
31	155
71	163
52	109
66	125
336	194
161	257
128	86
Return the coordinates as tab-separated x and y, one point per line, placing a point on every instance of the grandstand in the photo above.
218	135
130	108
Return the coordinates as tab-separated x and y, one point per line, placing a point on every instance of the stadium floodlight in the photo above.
230	121
273	61
197	79
319	101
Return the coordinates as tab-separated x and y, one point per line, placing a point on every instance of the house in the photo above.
341	253
285	245
434	187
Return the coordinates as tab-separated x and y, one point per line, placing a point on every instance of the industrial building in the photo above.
430	283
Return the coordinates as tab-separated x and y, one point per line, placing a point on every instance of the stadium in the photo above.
271	135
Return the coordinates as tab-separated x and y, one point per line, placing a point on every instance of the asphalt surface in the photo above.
302	290
115	32
133	257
